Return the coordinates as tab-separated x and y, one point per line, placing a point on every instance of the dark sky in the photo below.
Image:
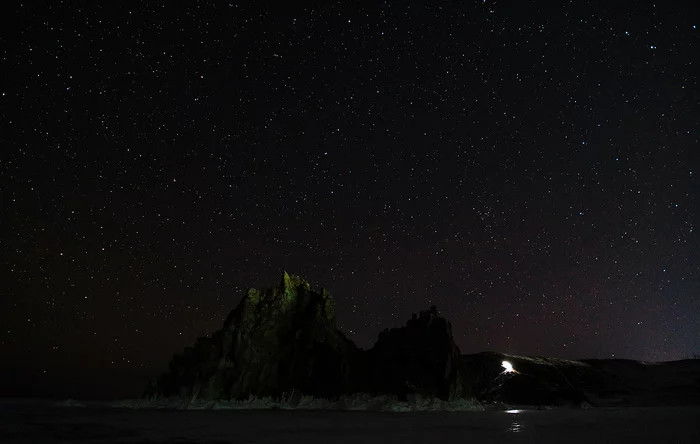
533	171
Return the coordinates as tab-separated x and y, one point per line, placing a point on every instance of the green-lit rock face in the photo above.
283	339
253	296
277	339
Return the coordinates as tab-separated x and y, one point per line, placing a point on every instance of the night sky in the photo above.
532	170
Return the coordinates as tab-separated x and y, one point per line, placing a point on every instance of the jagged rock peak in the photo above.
277	339
293	294
290	282
420	357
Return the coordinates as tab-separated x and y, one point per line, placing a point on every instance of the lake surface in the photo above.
28	422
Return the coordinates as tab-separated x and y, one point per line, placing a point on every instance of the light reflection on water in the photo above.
515	427
34	422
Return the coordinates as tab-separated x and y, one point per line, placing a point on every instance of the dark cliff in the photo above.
282	342
275	341
419	358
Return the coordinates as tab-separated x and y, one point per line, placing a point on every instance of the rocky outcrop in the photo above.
282	343
419	358
276	341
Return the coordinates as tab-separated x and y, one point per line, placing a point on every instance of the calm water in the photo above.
33	423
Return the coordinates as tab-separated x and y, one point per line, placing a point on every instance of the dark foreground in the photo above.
33	423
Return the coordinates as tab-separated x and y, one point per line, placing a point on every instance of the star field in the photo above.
531	171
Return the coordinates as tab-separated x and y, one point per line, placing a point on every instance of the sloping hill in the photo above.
598	382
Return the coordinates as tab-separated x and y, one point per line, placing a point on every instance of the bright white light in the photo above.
513	412
507	367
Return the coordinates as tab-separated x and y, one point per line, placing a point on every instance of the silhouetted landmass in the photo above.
598	382
282	342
